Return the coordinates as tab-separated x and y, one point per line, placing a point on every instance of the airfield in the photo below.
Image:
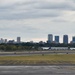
28	53
44	69
37	70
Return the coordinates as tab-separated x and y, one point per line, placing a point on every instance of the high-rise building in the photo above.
1	40
5	40
18	40
73	39
50	38
56	39
65	39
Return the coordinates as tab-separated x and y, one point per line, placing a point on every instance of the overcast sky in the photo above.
35	19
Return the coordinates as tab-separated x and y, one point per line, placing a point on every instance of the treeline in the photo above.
14	47
30	46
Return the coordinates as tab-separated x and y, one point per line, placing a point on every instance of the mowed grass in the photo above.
38	59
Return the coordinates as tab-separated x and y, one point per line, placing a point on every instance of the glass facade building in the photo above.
56	39
73	39
65	39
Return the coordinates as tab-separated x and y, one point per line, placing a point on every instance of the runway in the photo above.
28	53
37	70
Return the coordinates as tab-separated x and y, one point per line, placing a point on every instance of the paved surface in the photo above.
27	53
37	70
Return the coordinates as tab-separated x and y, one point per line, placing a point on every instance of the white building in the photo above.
50	38
18	39
59	48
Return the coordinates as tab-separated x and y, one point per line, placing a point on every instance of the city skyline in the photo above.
51	38
34	19
56	39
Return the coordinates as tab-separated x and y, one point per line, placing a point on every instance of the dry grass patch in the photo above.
38	59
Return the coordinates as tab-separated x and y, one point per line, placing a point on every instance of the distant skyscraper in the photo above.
56	39
73	39
1	40
50	38
65	39
18	40
5	40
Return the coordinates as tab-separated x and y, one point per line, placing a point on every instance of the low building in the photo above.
45	48
11	41
59	48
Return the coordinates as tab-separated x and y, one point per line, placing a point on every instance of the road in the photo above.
37	70
26	53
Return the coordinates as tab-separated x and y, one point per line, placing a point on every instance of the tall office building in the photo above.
5	40
56	39
1	40
18	39
50	38
73	39
65	39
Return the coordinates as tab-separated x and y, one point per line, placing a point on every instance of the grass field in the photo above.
38	59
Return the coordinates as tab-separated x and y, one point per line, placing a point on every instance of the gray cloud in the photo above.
29	14
66	5
26	10
34	9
